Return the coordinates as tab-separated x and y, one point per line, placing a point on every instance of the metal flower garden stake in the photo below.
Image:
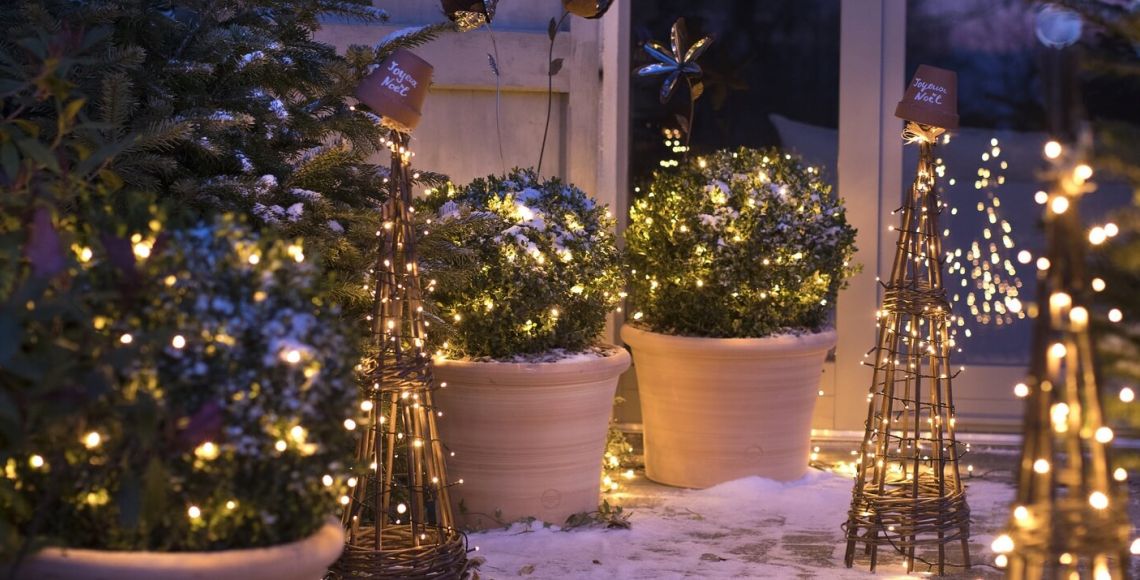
398	514
908	492
676	63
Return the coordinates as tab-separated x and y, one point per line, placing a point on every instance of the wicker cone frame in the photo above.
908	492
398	517
1059	526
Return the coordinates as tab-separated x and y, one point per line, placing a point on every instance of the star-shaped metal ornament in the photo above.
682	61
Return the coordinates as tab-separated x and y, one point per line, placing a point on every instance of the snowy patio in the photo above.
749	528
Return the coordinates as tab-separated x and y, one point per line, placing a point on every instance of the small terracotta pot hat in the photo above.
397	89
931	98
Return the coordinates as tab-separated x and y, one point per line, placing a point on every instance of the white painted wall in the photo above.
458	133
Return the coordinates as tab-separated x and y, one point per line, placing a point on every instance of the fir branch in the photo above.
409	38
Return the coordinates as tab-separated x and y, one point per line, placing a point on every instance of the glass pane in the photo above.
992	165
771	77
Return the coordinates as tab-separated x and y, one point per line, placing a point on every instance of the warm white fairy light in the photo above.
36	461
92	440
349	424
1097	236
1059	414
1002	544
1041	466
1127	395
1059	204
1052	150
1098	500
126	338
281	445
194	512
207	451
1082	173
1021	390
1103	434
1115	315
1020	513
141	250
1098	285
178	341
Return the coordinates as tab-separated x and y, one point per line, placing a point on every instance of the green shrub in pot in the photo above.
736	260
740	243
526	387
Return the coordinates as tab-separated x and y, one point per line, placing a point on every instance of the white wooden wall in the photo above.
458	133
589	137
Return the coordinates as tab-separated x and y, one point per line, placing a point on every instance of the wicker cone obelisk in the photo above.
908	493
1070	517
398	517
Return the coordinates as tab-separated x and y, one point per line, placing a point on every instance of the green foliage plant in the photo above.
545	270
743	243
160	387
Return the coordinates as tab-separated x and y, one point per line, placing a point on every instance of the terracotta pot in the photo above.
718	409
303	560
528	438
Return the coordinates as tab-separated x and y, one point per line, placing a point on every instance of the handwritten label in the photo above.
398	80
928	92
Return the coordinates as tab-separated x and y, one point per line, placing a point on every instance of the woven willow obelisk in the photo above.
1070	516
908	491
398	517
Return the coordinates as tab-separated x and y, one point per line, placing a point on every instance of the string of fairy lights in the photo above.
1062	518
990	285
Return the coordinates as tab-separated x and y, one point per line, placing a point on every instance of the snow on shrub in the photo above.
545	269
741	243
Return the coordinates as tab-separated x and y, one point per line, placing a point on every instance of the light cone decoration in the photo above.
398	515
908	492
1070	517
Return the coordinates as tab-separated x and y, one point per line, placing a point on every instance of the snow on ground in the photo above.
749	528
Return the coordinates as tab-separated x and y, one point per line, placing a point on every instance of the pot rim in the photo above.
647	340
558	372
325	544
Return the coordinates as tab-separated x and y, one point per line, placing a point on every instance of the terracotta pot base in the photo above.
528	437
718	409
302	560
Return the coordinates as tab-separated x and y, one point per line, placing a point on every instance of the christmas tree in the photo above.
238	109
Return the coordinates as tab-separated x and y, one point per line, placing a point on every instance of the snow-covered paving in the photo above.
749	528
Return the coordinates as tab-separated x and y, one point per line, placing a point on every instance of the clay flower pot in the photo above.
528	438
302	560
718	409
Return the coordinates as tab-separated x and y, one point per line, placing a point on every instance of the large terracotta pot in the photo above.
718	409
528	438
303	560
